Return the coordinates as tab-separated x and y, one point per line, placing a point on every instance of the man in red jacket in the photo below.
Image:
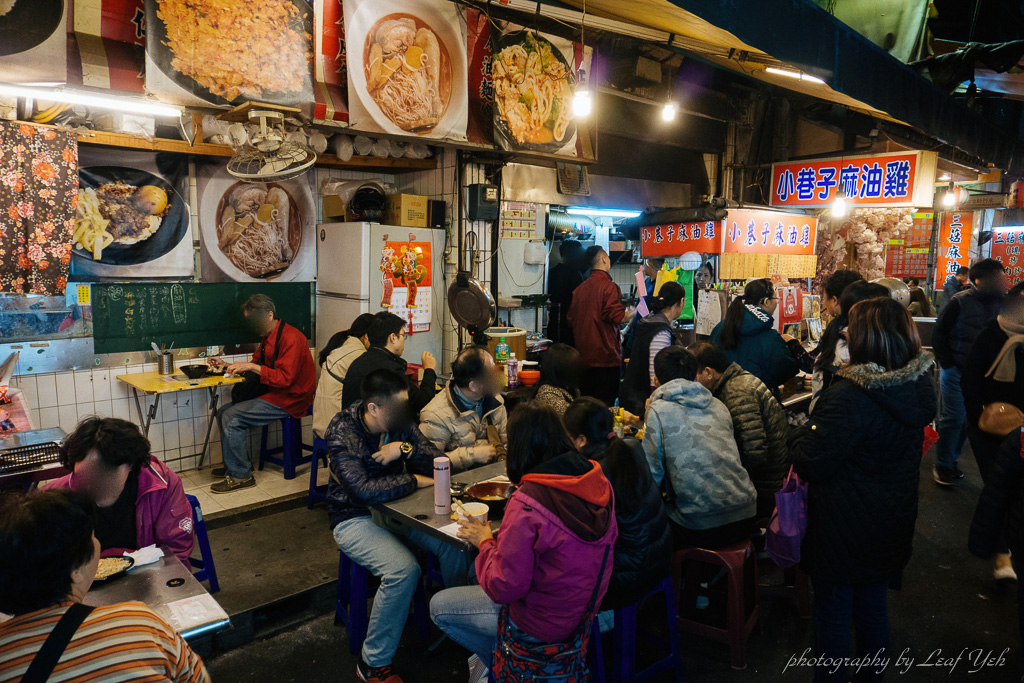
595	316
139	500
286	371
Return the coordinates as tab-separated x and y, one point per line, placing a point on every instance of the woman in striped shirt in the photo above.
50	557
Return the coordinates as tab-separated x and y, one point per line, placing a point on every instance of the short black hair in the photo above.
840	280
593	252
44	537
674	362
380	386
913	282
561	367
1016	290
383	326
709	355
985	268
570	250
963	270
469	365
118	442
259	302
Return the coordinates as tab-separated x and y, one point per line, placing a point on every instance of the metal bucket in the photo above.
165	364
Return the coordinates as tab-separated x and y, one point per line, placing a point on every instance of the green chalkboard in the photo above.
128	317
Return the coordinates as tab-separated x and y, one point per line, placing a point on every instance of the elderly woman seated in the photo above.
50	557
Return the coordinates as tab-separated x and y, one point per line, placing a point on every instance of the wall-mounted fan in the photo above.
268	155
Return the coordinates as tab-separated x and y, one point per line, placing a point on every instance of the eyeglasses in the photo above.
403	335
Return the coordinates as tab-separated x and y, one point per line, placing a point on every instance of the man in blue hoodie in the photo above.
690	445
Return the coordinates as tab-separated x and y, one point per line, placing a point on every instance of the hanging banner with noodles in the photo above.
534	80
330	87
405	271
33	41
406	63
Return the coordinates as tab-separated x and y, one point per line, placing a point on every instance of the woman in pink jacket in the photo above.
546	564
139	500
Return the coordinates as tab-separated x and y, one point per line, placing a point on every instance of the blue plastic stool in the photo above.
207	572
291	447
350	605
317	493
624	639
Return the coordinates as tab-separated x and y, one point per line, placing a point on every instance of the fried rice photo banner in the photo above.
406	63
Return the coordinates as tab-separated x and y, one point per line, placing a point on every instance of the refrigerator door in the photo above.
343	260
334	314
424	316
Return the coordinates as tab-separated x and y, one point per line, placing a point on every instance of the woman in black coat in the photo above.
860	454
643	550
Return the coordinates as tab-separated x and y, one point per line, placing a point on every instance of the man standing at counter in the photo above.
282	384
595	316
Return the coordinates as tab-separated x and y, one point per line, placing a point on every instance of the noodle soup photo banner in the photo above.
133	220
406	62
533	79
224	52
255	231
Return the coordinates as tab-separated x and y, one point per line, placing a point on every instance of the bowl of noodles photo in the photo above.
409	70
253	231
126	216
533	91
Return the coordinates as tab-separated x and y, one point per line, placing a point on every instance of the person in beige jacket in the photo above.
343	348
457	419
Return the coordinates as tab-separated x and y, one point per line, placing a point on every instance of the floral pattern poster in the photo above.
38	198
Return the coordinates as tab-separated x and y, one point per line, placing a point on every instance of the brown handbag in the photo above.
999	419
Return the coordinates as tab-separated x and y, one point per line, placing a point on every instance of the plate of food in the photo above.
111	568
225	56
534	86
253	231
409	70
25	24
126	216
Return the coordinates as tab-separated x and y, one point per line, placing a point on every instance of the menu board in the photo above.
907	256
1006	247
518	221
954	243
745	266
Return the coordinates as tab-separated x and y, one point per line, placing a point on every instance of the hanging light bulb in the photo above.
839	205
581	102
949	199
669	112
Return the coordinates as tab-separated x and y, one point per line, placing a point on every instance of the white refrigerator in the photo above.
368	267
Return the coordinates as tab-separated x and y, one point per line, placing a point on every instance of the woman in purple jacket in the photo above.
139	500
546	563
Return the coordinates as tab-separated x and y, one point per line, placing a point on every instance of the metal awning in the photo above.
748	36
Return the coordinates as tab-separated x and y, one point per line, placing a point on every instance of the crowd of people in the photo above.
594	518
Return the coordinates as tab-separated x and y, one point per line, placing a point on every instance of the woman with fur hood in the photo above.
860	454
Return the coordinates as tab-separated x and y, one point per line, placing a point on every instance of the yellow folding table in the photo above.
155	384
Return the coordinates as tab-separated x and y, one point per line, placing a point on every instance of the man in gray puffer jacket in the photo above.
690	446
758	420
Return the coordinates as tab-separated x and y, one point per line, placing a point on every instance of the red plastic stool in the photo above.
742	608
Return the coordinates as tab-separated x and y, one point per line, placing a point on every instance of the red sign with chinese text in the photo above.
330	88
678	238
769	232
954	242
1006	248
907	255
892	179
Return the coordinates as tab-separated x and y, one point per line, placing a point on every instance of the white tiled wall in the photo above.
176	434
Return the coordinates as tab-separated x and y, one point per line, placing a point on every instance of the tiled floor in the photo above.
271	486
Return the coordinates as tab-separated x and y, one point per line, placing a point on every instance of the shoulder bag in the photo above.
788	523
53	647
251	387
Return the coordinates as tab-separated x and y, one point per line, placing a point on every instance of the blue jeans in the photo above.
234	420
469	617
385	556
952	417
836	608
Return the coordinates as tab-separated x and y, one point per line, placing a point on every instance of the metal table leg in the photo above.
147	419
214	399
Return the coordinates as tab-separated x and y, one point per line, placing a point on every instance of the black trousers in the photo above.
985	448
601	383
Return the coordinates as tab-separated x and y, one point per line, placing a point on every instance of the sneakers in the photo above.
231	484
1004	569
477	671
944	476
376	674
219	471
